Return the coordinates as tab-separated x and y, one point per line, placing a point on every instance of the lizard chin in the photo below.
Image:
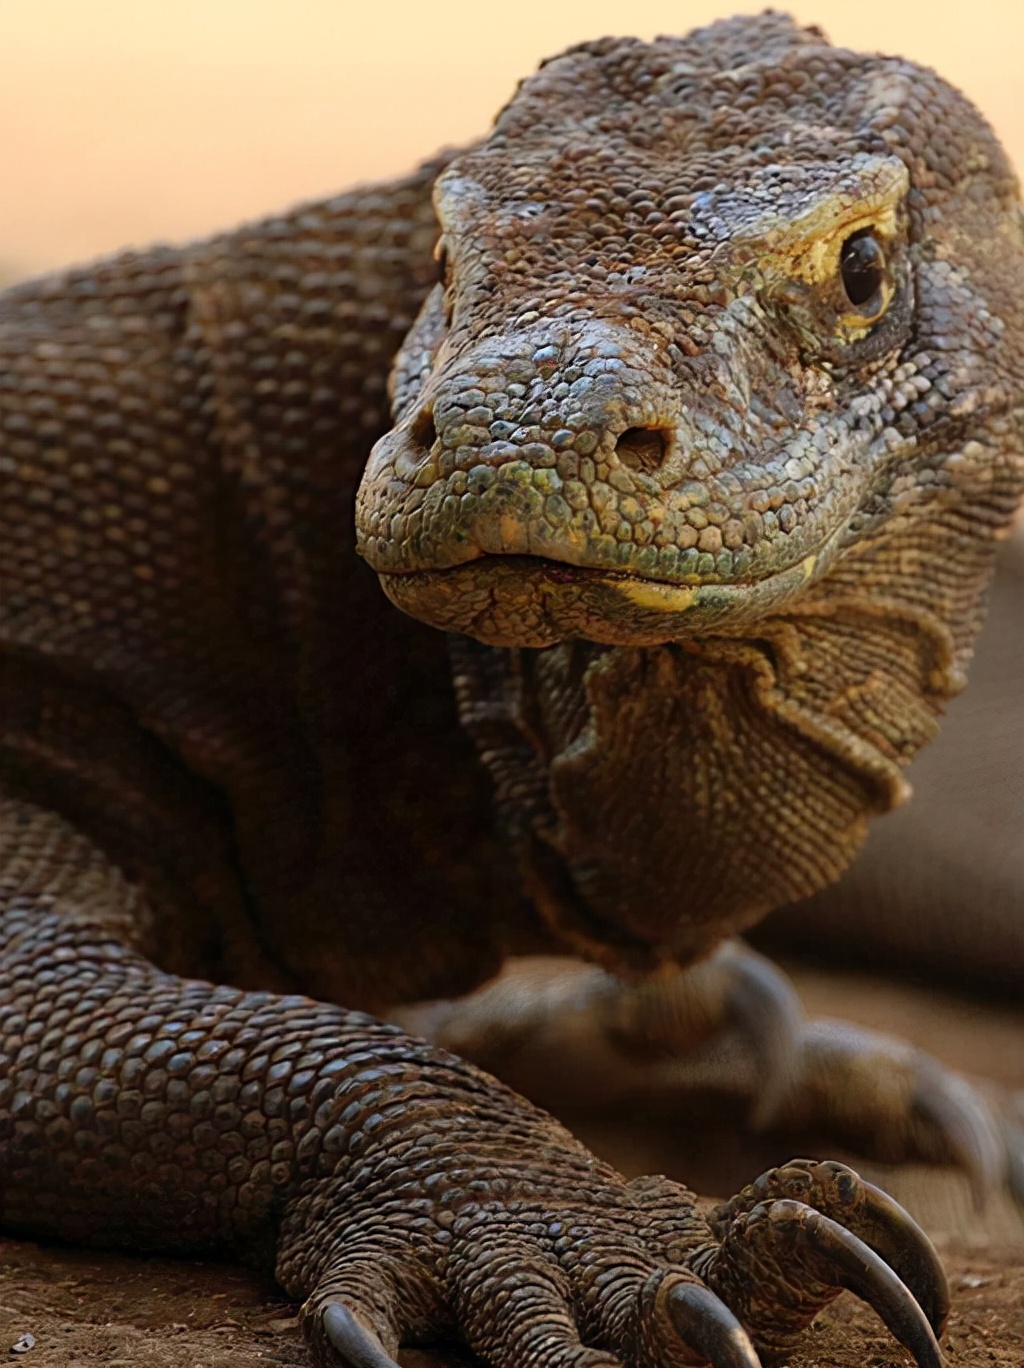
529	601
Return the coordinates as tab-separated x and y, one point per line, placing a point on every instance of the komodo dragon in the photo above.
701	449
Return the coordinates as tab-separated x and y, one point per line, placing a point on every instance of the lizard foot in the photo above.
572	1037
601	1273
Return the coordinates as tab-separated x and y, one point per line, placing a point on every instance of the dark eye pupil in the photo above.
862	266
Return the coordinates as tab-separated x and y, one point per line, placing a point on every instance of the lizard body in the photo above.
239	689
229	761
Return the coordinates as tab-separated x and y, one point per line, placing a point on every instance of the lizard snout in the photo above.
590	481
550	445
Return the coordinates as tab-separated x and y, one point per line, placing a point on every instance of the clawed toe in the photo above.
763	1003
842	1259
706	1325
801	1232
884	1226
887	1099
357	1347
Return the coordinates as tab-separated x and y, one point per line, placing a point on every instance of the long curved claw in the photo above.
706	1325
859	1269
1013	1137
358	1347
959	1114
765	1005
894	1235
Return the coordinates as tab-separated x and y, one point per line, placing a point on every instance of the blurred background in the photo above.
126	121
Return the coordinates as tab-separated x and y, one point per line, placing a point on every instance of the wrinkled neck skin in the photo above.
660	798
701	451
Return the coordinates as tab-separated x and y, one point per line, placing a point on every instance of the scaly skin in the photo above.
939	889
750	526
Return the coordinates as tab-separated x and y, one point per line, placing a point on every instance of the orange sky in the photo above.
128	120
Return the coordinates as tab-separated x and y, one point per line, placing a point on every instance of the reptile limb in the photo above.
166	1113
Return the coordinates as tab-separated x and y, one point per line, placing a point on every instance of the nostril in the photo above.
643	448
423	432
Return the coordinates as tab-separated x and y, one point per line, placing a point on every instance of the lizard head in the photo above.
707	308
724	371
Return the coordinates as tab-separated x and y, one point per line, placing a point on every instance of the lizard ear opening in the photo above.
423	432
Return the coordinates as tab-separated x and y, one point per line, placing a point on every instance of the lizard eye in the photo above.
862	269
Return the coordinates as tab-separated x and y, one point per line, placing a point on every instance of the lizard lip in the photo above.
532	601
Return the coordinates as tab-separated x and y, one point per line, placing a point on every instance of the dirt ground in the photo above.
84	1309
88	1309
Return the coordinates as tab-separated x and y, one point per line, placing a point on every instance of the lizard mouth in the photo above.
530	601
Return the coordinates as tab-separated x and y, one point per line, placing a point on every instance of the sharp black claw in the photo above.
894	1234
953	1107
859	1269
356	1345
706	1325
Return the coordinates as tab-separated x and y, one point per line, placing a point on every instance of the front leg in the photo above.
402	1194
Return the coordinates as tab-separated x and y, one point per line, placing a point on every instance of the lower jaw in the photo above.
527	601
